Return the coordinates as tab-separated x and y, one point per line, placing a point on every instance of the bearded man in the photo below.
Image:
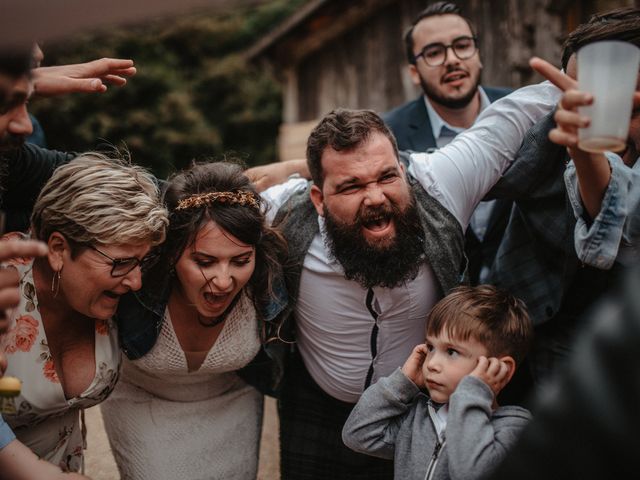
372	246
442	50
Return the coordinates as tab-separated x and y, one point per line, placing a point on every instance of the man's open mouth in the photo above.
377	224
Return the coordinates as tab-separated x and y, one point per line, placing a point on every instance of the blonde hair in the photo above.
99	199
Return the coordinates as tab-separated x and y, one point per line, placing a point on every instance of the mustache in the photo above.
453	69
381	212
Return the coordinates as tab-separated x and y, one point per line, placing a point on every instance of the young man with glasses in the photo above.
442	50
444	61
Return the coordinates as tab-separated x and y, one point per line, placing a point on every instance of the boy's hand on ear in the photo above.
492	371
412	368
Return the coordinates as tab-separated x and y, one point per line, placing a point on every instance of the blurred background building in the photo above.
249	79
331	53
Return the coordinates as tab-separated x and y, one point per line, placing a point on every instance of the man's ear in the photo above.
511	364
415	75
58	245
403	169
317	198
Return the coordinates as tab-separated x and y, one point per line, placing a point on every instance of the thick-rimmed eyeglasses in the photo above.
435	54
122	266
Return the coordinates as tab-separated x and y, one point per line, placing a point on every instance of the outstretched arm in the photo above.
460	174
18	462
265	176
82	77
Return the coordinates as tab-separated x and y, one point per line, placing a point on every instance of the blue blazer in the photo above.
411	126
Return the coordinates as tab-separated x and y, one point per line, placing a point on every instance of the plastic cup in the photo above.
609	71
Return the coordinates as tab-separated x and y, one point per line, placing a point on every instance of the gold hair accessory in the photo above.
198	200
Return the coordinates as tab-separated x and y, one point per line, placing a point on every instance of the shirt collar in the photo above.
437	123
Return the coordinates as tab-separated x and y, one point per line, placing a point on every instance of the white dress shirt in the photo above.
333	324
443	133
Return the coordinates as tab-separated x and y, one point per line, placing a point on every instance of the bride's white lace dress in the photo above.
165	422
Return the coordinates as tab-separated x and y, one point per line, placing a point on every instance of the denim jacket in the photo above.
613	235
140	316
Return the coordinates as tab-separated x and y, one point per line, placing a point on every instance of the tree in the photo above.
194	97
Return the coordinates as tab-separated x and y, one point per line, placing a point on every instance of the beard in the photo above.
10	142
453	103
388	262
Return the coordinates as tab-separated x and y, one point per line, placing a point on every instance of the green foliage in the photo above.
193	97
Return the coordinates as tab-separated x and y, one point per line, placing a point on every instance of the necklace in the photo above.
211	323
221	318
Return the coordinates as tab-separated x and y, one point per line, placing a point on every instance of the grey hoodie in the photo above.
393	420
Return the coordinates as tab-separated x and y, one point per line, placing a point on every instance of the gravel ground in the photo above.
99	463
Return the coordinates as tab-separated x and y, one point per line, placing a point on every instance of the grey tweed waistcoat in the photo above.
442	239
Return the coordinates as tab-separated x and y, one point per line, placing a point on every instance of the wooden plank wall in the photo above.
366	66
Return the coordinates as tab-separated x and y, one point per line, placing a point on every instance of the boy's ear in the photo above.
511	364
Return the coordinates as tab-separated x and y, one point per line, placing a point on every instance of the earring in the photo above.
55	283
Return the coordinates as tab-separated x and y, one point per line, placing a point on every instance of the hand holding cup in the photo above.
607	70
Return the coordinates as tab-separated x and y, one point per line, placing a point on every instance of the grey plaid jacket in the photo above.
536	259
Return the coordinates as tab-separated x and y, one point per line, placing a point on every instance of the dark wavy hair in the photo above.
244	222
437	8
621	24
16	62
343	129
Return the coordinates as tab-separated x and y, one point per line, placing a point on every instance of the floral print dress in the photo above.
45	420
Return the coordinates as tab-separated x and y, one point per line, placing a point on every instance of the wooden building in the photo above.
349	53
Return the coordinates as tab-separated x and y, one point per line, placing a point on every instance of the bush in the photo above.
193	96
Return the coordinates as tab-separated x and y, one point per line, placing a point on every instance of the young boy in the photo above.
475	337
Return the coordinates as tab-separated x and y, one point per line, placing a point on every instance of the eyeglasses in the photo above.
122	266
435	54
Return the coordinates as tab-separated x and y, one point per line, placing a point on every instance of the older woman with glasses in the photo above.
99	218
181	410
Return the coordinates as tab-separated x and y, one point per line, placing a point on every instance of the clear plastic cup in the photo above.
609	71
